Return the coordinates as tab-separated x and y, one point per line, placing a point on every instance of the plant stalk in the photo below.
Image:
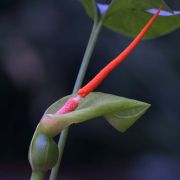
83	68
37	175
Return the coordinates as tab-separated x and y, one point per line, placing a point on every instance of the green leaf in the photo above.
88	7
129	16
120	112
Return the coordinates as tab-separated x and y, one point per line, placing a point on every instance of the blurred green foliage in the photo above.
128	17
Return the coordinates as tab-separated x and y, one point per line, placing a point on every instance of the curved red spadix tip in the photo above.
84	91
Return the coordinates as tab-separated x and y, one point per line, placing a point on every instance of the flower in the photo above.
163	12
102	8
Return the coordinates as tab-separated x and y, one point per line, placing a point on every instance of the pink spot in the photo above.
69	106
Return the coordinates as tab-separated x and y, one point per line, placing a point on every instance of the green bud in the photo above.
36	175
43	152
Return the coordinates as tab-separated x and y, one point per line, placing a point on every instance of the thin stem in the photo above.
83	68
87	55
96	11
37	175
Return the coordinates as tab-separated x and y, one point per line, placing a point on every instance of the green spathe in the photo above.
120	112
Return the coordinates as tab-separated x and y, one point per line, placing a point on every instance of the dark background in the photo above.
41	47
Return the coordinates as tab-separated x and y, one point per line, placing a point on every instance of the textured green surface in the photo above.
36	175
120	112
129	16
43	152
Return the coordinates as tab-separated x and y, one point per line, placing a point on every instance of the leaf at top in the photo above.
129	16
120	112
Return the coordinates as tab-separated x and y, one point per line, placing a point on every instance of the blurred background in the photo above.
42	43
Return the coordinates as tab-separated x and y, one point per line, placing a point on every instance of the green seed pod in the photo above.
43	153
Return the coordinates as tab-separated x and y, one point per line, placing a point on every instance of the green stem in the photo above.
87	56
86	59
95	11
37	175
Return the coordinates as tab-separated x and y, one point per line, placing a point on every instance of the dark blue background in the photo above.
41	47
